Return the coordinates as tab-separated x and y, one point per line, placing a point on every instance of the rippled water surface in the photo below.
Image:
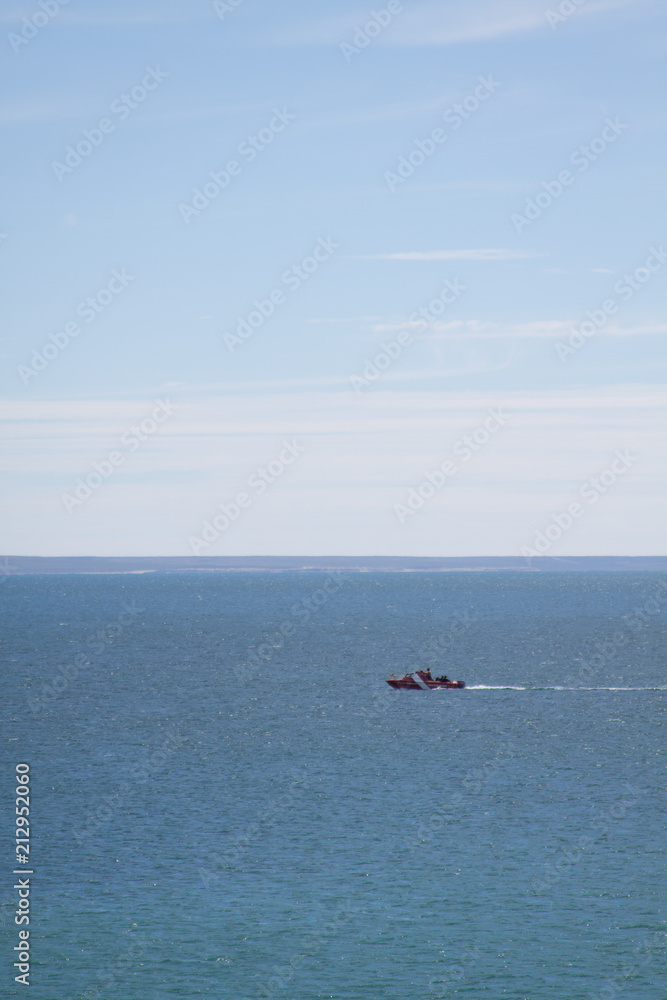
207	821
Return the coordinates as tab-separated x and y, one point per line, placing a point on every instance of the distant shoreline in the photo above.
38	565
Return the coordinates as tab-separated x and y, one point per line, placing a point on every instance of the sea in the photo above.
228	801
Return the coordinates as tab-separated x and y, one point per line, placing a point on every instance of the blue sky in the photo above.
389	163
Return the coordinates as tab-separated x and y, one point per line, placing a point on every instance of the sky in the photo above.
333	279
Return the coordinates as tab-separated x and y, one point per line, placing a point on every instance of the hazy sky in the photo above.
409	259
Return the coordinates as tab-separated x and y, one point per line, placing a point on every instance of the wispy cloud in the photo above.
482	20
486	254
425	23
118	12
361	454
435	23
345	319
45	108
471	329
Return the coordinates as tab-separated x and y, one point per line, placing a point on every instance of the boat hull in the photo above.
408	683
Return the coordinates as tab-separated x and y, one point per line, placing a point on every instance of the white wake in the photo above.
554	687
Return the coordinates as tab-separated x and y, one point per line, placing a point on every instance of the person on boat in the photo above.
427	674
443	678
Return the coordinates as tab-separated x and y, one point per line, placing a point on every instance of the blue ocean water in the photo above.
228	801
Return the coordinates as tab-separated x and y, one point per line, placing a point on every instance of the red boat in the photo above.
422	680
